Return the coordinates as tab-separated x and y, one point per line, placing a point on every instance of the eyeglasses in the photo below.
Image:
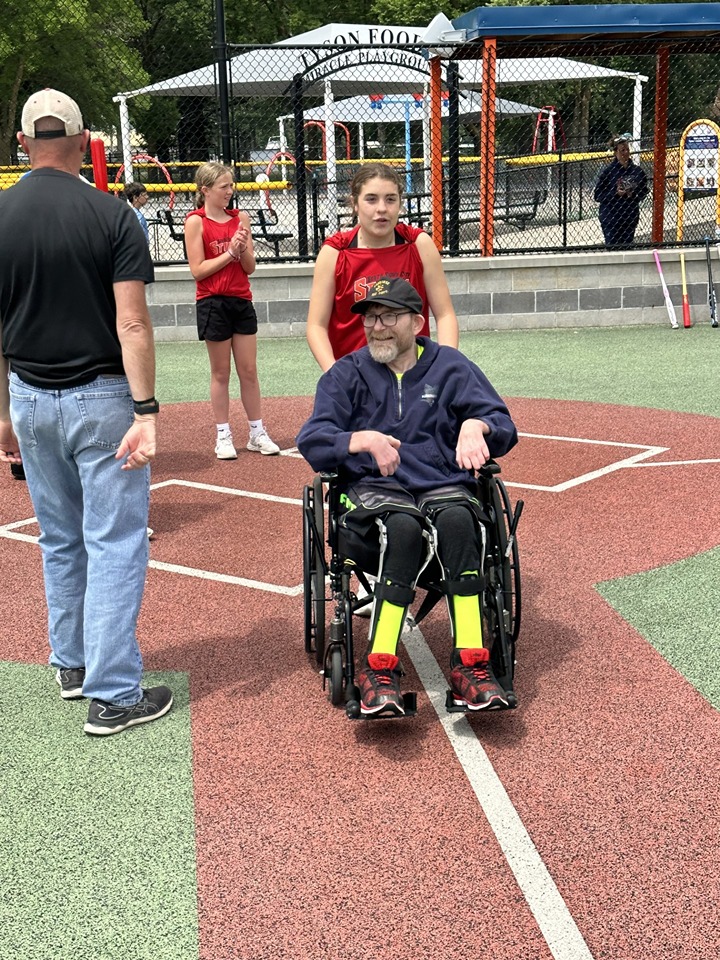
386	319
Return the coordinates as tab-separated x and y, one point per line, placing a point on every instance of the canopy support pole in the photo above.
436	152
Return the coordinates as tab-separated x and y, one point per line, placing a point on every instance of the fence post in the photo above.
453	181
222	80
563	197
300	169
487	147
315	214
436	153
662	80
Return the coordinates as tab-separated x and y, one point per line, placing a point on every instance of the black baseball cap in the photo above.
391	292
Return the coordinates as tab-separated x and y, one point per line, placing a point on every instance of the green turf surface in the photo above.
97	834
675	609
637	366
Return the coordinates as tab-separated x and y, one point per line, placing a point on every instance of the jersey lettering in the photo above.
363	286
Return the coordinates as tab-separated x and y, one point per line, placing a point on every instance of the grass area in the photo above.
661	604
635	366
97	834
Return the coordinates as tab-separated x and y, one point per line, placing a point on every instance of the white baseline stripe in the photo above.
599	443
19	523
22	537
226	578
8	532
645	452
293	501
543	898
673	463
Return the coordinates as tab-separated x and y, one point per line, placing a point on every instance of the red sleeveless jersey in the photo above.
357	270
230	281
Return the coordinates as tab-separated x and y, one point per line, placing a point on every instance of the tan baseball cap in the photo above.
51	103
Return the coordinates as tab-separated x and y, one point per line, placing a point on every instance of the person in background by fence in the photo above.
137	196
619	189
351	261
221	258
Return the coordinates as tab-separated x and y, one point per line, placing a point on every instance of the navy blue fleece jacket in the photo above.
424	410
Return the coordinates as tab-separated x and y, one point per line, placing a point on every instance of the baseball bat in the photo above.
712	302
666	293
685	301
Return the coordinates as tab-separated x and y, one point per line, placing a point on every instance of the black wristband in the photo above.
146	406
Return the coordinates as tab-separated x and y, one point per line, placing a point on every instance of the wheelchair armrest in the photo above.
490	469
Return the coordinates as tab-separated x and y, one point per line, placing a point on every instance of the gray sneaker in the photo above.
71	682
105	718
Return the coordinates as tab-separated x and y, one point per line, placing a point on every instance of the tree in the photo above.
413	14
78	46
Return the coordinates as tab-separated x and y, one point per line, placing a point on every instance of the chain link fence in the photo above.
573	137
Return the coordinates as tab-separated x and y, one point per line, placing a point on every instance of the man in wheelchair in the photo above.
404	423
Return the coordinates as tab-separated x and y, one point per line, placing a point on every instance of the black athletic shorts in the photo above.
218	318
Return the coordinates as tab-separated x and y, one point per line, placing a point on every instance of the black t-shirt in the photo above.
62	246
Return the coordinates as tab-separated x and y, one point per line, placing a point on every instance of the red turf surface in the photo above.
321	838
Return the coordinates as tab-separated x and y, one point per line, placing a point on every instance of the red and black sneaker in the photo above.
379	683
473	684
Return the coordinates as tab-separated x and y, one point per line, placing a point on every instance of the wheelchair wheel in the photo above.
314	569
336	679
511	564
502	595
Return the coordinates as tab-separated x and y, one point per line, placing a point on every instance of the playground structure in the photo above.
550	118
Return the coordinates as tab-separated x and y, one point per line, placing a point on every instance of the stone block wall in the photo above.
498	293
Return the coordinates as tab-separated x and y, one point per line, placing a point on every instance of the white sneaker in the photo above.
224	449
261	443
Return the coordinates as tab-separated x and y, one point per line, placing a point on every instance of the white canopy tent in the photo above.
270	71
404	108
341	60
393	109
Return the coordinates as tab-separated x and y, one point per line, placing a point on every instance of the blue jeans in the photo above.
93	528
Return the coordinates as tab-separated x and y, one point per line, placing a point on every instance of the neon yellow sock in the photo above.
388	627
466	619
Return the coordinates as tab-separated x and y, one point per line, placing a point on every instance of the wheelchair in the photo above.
330	602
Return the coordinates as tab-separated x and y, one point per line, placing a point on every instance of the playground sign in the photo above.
699	166
324	61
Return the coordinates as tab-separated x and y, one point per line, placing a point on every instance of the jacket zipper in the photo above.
397	387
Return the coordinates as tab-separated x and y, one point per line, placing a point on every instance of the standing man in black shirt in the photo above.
79	410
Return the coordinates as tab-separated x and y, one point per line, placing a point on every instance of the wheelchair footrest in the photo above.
352	709
452	707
